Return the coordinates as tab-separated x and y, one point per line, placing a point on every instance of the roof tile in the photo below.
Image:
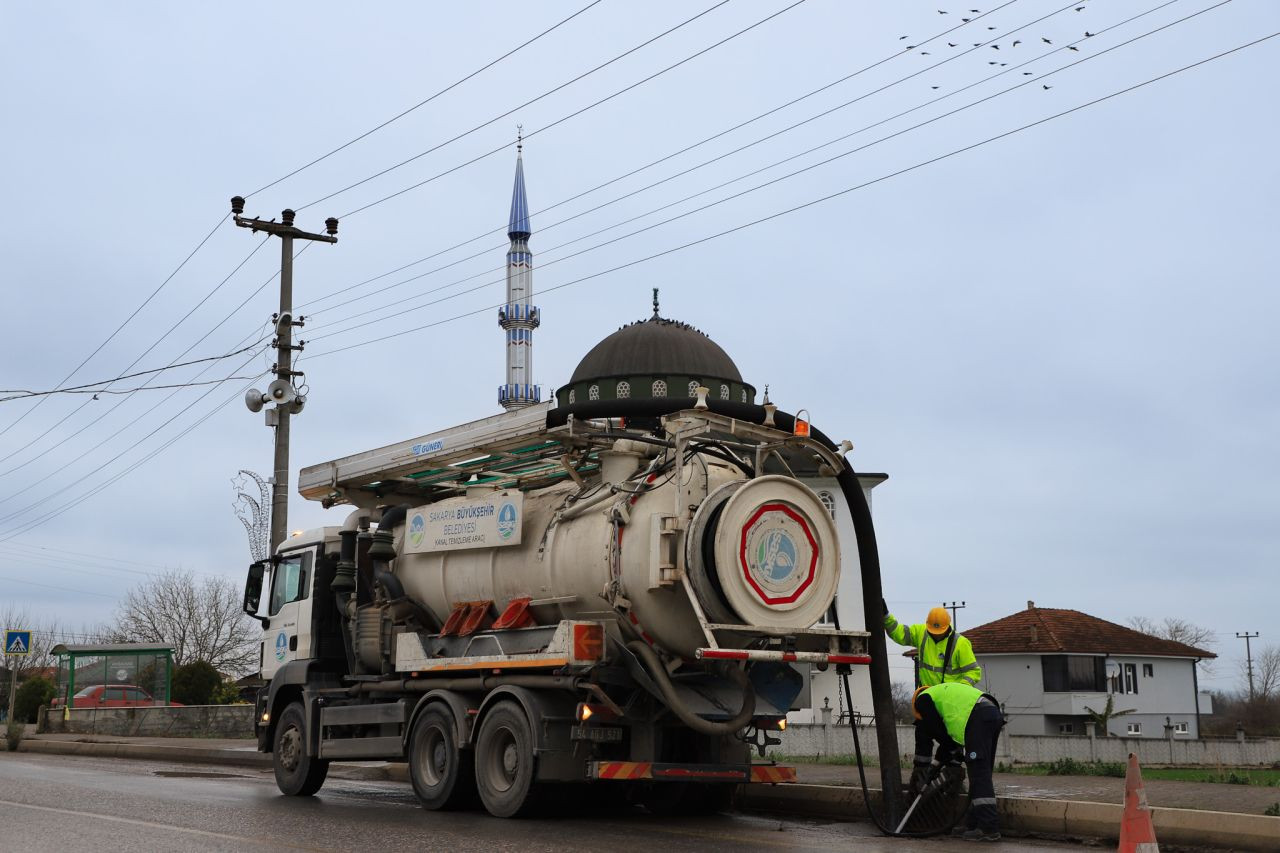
1048	630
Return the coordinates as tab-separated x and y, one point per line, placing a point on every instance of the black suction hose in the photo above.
707	727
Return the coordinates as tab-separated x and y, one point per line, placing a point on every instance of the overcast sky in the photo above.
1061	345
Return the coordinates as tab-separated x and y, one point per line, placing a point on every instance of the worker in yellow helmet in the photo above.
965	723
943	656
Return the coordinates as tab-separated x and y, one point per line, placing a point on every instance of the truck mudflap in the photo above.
629	771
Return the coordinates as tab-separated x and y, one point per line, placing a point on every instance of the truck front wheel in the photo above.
441	773
298	773
504	761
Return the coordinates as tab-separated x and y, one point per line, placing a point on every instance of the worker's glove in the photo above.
952	774
919	778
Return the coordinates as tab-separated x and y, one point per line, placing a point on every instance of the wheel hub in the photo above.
290	748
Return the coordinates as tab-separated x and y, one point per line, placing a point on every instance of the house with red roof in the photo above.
1050	667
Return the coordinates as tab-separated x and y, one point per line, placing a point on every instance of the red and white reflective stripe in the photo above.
773	774
776	655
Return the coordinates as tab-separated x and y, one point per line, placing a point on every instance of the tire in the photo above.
298	774
443	775
504	761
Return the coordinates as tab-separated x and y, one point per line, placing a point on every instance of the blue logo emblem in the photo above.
417	529
776	556
507	520
282	645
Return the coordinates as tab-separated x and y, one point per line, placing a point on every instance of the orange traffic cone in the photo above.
1137	835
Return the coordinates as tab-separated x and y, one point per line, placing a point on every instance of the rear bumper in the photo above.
631	771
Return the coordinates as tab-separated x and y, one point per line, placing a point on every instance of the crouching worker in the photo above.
963	720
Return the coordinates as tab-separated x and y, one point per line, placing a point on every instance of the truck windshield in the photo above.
289	582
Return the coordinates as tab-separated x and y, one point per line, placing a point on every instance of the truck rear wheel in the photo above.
443	776
504	761
298	773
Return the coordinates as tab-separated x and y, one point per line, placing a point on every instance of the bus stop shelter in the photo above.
130	674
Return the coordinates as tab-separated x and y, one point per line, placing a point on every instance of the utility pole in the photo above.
1248	655
953	607
282	391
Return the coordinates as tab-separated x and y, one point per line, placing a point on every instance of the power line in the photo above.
423	103
672	155
88	387
402	310
54	494
131	365
153	454
53	550
711	161
126	322
515	109
819	200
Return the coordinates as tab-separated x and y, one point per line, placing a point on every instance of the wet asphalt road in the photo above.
60	803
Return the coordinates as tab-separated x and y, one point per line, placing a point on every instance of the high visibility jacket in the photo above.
962	668
954	703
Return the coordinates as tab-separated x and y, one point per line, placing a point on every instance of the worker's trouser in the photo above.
980	737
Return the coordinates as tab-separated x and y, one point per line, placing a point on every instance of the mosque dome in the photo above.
652	359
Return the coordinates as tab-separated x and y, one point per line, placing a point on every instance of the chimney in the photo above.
1031	605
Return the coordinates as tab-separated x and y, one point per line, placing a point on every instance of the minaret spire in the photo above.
519	317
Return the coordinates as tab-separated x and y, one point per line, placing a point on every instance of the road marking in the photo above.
153	825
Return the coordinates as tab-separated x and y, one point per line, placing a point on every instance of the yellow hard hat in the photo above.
915	712
938	622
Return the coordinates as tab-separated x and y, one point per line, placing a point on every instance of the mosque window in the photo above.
724	392
829	502
593	393
744	395
659	388
571	396
624	390
693	388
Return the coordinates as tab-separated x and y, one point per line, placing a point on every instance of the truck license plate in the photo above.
597	733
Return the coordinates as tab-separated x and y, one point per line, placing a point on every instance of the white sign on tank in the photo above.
490	521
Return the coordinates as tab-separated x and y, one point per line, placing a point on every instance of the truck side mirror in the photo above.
253	589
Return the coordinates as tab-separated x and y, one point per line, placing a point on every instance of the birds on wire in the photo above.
994	45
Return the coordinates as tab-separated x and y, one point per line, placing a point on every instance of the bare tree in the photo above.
900	691
1266	672
1180	631
202	621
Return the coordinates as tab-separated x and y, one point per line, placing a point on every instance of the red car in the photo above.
112	696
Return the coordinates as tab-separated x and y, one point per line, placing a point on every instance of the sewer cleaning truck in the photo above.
550	603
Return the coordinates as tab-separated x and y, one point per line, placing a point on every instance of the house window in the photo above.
624	390
1134	729
1131	678
1148	670
1180	729
693	388
593	393
1066	728
828	502
1065	673
659	388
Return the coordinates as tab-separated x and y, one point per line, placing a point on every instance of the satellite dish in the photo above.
253	399
281	391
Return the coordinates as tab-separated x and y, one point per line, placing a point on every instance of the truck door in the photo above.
286	636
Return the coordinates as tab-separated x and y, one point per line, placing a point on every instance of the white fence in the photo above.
823	741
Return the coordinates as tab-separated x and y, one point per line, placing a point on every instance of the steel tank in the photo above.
761	551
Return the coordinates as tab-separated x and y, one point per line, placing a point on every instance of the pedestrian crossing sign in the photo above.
17	643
